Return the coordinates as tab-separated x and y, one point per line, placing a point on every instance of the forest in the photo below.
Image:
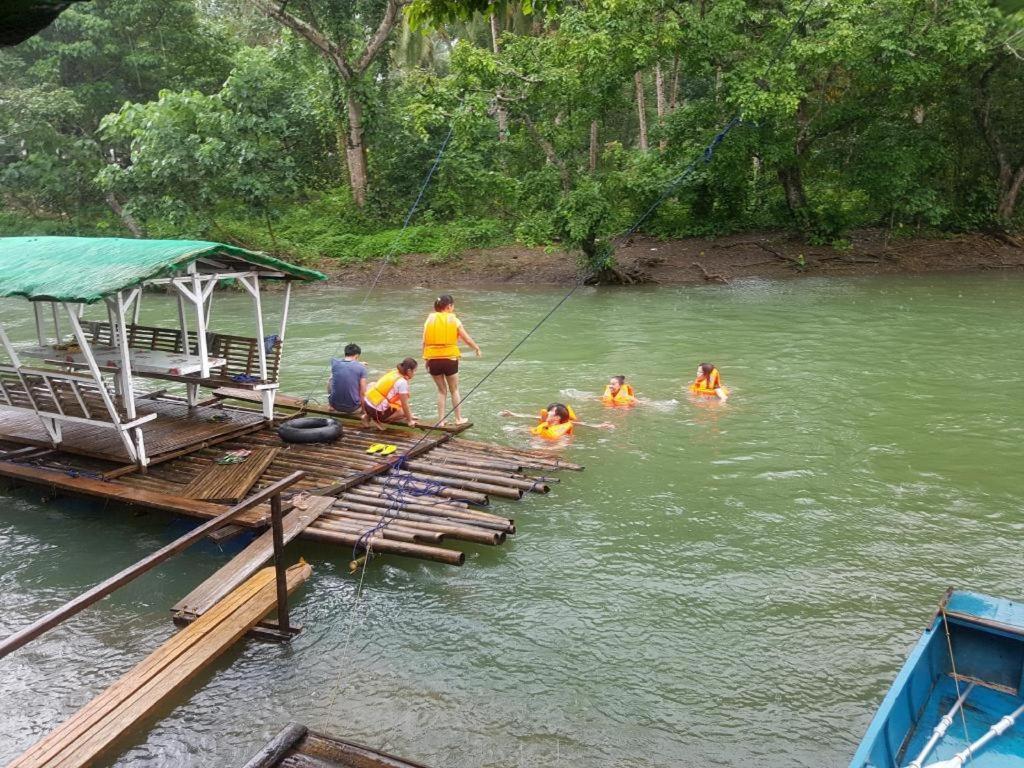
307	127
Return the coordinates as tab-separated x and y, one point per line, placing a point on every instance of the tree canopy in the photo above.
307	127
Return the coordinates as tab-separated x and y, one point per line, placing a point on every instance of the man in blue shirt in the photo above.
348	382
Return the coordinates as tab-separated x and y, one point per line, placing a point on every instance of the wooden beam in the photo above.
249	560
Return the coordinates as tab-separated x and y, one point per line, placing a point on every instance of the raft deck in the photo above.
441	492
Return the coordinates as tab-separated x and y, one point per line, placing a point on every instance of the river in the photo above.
724	584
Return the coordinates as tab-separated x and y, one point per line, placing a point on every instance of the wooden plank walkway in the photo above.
95	728
230	482
176	426
248	561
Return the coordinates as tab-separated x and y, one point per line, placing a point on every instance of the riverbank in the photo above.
695	261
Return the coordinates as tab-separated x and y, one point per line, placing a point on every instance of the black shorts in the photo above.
443	366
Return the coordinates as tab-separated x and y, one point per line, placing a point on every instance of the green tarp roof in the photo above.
88	268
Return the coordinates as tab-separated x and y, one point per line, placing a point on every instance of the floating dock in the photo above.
440	494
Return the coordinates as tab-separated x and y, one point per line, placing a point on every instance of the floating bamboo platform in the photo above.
433	494
95	729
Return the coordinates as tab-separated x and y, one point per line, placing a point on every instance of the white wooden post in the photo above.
197	299
56	322
127	386
37	310
94	369
284	310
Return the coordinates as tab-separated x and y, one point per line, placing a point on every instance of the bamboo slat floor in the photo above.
94	729
229	482
248	561
176	426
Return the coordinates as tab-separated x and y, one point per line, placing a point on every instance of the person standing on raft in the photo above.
441	334
618	392
388	397
708	383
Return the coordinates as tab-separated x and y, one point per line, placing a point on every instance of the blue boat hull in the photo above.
986	635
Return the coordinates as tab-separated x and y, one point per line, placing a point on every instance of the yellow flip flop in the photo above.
376	448
388	450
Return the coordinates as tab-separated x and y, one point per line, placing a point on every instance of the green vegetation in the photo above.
306	129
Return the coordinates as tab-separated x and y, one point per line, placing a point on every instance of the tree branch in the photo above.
381	35
332	52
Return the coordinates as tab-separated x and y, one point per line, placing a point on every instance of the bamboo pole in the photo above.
383	547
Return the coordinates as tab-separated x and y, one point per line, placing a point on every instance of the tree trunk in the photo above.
1010	179
129	221
500	113
796	199
673	103
1009	191
593	145
549	152
641	109
659	91
355	150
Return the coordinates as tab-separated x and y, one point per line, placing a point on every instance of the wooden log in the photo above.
478	476
417	484
274	752
392	532
382	547
468	518
412	520
95	728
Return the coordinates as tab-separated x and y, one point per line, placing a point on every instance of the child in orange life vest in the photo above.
708	383
441	335
618	392
557	420
388	397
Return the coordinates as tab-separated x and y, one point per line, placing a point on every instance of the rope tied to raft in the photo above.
397	487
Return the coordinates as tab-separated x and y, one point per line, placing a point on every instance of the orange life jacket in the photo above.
706	385
624	396
441	336
378	393
552	431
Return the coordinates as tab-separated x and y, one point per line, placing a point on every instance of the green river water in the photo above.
723	585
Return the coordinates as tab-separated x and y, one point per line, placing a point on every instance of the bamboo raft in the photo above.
439	497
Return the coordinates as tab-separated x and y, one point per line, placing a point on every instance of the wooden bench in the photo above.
240	352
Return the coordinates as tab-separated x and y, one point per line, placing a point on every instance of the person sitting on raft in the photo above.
708	383
557	420
618	392
388	397
441	334
347	386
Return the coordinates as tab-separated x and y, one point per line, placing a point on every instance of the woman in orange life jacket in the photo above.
618	392
388	397
557	420
441	334
708	383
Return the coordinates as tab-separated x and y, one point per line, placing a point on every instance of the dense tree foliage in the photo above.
307	127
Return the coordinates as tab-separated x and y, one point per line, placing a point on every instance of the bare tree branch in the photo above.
381	35
332	52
